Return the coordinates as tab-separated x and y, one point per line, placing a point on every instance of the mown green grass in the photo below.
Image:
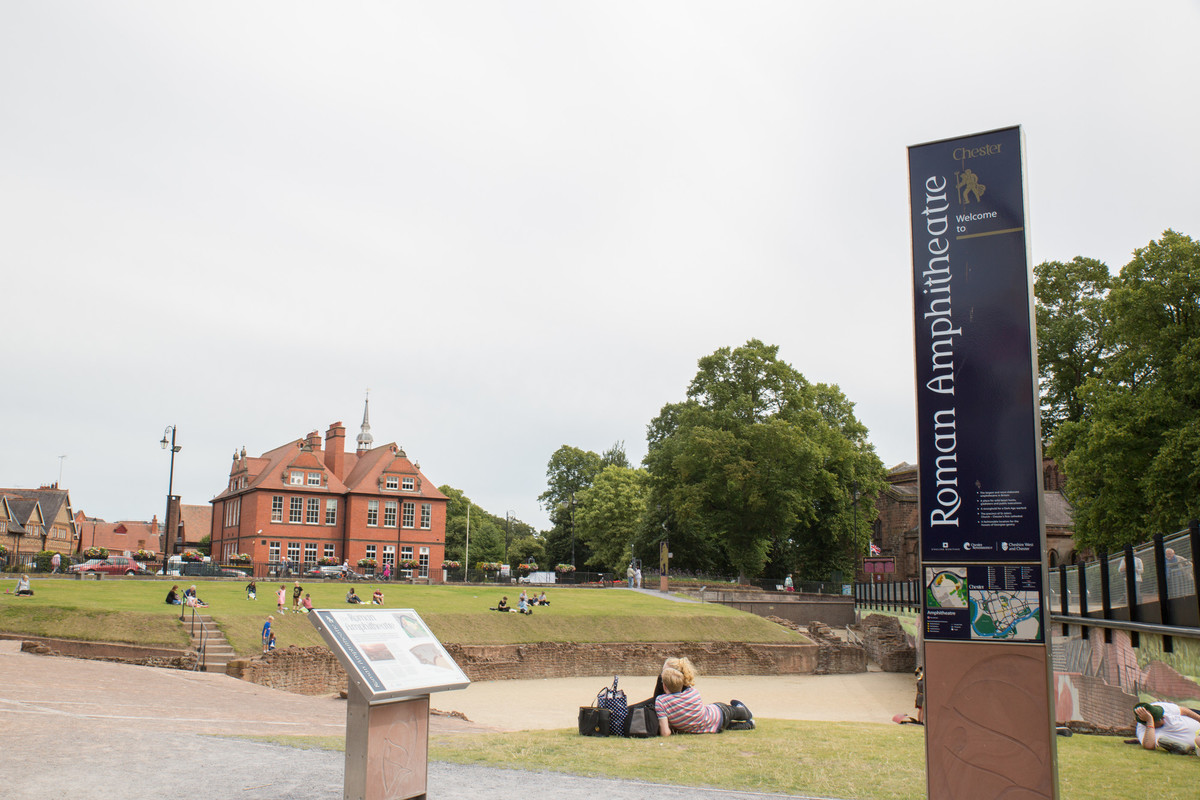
133	611
843	760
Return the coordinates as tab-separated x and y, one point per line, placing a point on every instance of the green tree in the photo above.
610	514
487	537
1070	334
1132	460
758	461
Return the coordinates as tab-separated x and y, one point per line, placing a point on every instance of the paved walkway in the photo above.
91	729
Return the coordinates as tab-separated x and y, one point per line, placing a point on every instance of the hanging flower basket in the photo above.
96	552
192	555
488	566
144	555
565	568
328	561
407	563
367	562
451	565
239	558
3	551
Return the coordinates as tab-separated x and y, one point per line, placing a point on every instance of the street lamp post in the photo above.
174	448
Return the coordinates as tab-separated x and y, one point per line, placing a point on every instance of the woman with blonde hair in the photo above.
681	710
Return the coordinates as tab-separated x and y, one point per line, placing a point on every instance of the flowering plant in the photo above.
565	568
192	555
407	563
240	558
366	562
527	567
144	555
3	550
327	561
450	565
488	566
96	552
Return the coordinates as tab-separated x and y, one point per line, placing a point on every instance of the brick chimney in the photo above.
335	449
314	441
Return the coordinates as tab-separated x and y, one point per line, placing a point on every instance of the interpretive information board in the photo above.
993	602
987	665
390	651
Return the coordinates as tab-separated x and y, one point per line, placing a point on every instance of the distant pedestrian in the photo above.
267	635
629	574
55	561
281	598
638	575
251	590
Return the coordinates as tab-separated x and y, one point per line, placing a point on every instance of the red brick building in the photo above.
305	502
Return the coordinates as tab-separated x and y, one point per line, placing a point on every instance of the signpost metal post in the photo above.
989	716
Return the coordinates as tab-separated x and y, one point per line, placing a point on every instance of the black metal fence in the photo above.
890	596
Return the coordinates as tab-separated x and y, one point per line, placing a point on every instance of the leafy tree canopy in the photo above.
757	469
610	514
1132	459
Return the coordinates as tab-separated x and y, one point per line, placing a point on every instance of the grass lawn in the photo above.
132	611
842	760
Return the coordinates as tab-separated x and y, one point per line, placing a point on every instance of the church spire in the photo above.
365	439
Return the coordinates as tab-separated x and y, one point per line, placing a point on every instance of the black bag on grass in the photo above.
594	721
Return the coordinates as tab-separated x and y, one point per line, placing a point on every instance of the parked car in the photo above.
335	573
113	565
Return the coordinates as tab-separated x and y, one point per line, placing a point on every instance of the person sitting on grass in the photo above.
542	601
306	604
23	588
502	605
190	598
377	598
1167	726
173	596
352	596
523	606
681	710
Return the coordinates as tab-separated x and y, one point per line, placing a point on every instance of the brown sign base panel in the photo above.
989	728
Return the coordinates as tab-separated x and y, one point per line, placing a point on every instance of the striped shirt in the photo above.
687	713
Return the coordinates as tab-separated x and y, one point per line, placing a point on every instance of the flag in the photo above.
875	549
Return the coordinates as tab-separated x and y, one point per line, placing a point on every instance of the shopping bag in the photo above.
614	700
594	721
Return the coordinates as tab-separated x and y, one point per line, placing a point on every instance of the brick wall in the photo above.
887	644
315	670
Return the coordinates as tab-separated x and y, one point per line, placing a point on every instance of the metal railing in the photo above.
889	596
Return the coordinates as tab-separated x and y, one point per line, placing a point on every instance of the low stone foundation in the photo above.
315	670
106	651
887	643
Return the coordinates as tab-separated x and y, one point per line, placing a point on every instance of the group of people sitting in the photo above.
525	603
188	598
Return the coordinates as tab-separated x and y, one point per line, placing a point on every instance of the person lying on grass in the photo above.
681	710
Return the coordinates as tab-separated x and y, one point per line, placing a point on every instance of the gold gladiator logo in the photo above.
967	183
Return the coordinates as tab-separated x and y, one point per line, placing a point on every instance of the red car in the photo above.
113	565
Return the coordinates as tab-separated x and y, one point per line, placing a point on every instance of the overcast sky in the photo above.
519	224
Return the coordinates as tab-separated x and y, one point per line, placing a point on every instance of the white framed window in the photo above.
423	562
294	553
392	482
312	515
331	512
370	551
406	552
296	510
297	478
310	552
329	551
389	554
314	479
277	508
389	514
273	552
426	515
233	512
409	514
408	484
372	513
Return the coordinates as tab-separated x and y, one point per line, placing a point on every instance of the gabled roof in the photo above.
53	501
7	513
273	466
26	512
367	475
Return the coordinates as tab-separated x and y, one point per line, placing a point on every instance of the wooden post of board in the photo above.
387	748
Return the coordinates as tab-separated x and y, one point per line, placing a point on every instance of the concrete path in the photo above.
90	729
